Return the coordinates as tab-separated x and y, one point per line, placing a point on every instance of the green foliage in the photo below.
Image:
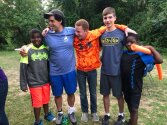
151	23
17	18
147	17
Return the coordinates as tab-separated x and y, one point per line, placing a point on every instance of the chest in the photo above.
60	41
37	55
132	62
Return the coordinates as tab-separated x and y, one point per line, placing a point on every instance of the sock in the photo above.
108	114
60	111
122	114
71	110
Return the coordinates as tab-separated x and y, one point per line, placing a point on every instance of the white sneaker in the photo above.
84	117
95	117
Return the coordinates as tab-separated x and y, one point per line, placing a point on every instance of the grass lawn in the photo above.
153	106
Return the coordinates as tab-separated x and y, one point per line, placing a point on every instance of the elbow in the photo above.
160	61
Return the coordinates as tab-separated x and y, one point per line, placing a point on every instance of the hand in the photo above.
45	31
128	30
149	47
23	52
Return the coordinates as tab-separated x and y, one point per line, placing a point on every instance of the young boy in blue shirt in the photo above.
132	71
34	73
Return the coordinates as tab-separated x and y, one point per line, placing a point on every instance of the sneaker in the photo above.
38	123
72	118
120	120
84	117
95	117
59	118
105	120
50	117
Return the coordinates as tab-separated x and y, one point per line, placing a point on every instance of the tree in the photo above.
17	18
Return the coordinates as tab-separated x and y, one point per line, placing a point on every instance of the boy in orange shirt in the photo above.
86	44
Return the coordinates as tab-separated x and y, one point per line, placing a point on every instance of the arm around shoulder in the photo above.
156	54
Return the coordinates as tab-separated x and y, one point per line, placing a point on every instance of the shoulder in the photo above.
69	29
118	31
146	58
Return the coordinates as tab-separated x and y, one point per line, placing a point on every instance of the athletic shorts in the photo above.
132	100
68	81
110	83
132	96
40	95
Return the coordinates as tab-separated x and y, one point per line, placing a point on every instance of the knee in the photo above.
71	95
120	98
134	111
83	96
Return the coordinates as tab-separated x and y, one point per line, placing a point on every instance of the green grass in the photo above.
152	111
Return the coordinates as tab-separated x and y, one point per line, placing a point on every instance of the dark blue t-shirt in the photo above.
112	44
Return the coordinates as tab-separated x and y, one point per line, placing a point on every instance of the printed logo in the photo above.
65	39
110	41
39	56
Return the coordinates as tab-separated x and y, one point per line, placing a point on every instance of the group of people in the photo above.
52	62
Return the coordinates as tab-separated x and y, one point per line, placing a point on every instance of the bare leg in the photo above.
37	114
106	102
134	117
58	101
71	100
46	108
121	104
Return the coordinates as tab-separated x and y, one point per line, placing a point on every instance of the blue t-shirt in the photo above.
61	51
112	43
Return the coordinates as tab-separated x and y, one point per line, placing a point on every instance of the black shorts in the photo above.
132	96
108	83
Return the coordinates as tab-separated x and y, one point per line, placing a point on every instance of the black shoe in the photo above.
120	120
105	120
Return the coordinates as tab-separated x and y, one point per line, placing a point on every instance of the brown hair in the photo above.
109	10
83	23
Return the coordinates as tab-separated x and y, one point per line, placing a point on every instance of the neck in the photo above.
37	46
109	29
60	28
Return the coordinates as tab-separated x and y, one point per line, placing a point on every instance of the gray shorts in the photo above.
108	83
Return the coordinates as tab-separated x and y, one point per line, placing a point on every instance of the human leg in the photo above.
81	78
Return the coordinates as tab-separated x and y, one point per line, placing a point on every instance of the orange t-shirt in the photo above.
88	50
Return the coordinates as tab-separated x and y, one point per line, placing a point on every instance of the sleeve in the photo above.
98	32
121	27
23	72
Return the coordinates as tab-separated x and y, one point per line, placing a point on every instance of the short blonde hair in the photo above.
83	23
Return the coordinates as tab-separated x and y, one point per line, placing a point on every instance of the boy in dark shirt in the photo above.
132	70
34	73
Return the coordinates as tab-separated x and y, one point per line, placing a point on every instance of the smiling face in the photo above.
36	39
109	20
54	24
80	32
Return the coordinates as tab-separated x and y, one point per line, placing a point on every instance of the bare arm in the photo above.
156	54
